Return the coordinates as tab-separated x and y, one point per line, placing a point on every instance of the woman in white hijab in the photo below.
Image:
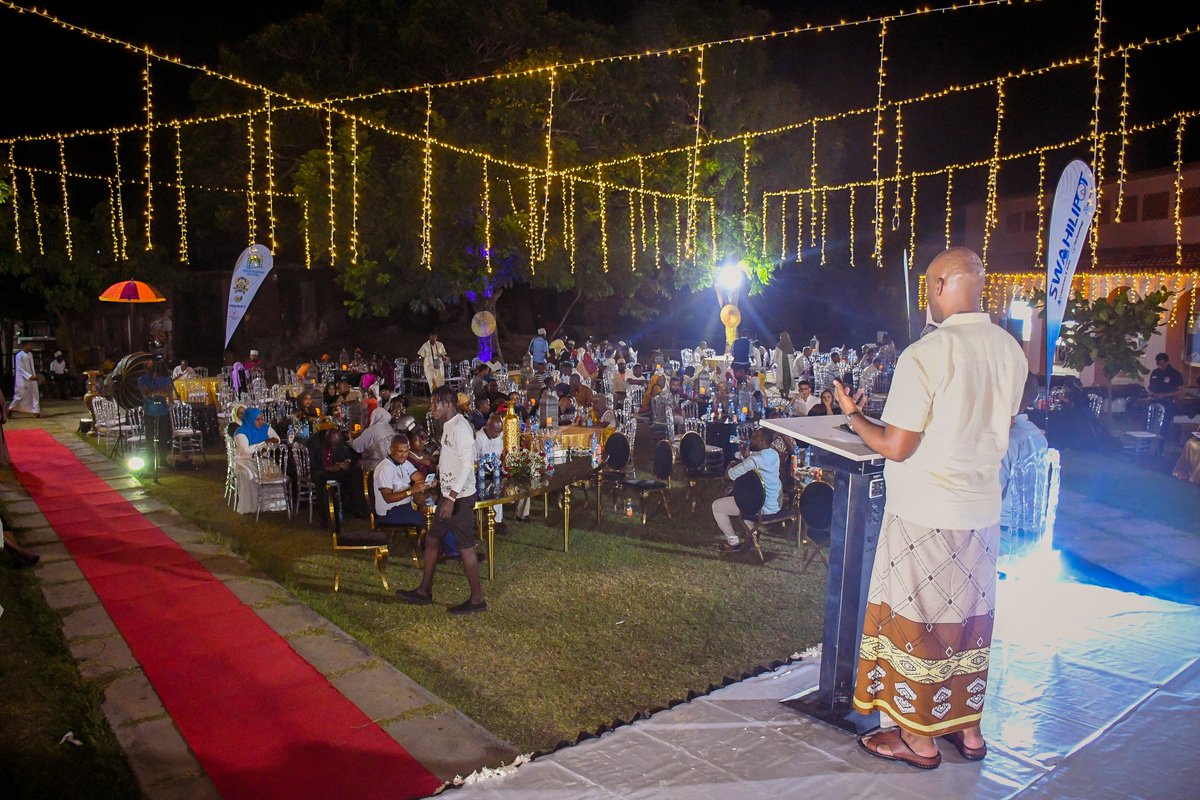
375	440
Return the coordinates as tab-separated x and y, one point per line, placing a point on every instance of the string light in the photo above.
896	208
852	191
912	221
763	236
642	202
602	196
1097	140
37	214
353	191
1179	191
307	244
112	220
1124	137
66	204
149	89
712	229
270	143
181	197
877	251
783	228
485	207
632	235
993	178
949	207
694	162
678	244
332	205
531	239
251	215
745	192
812	185
16	201
1041	211
657	249
824	218
549	166
427	188
570	182
799	228
120	199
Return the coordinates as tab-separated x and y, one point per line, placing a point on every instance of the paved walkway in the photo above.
443	739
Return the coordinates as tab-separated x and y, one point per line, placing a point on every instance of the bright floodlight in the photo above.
730	277
135	464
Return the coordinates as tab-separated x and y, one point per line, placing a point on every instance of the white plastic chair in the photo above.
1143	442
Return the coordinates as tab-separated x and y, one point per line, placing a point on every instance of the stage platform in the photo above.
1093	695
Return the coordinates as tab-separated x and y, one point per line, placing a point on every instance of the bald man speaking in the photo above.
923	658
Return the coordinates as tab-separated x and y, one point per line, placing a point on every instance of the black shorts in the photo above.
461	522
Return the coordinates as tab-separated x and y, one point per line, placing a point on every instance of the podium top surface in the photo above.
824	432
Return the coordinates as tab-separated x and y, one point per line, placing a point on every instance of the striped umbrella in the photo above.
131	292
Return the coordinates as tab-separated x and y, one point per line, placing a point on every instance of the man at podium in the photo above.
923	657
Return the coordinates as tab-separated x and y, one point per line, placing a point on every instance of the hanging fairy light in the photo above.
180	197
678	243
570	182
877	248
549	167
307	244
16	204
824	219
949	206
1041	211
149	89
990	212
66	205
112	219
120	200
642	202
812	186
251	215
898	204
602	197
1123	136
1179	194
694	160
745	192
657	249
485	208
332	203
37	213
852	199
783	227
912	220
799	228
712	229
427	187
353	191
763	231
270	169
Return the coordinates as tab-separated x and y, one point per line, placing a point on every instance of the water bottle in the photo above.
291	433
595	451
628	508
480	475
496	471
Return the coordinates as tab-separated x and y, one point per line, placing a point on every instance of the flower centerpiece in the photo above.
526	466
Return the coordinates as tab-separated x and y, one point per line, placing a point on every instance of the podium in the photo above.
857	515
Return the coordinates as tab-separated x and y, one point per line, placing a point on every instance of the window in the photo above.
1155	205
1013	223
1189	203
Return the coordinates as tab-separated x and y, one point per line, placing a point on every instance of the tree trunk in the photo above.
490	344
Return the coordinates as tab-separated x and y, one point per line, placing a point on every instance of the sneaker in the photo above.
726	547
413	597
467	607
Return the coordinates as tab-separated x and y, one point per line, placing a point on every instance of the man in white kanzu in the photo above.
927	632
26	396
456	511
433	359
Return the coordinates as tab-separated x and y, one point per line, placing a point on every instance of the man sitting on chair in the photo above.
396	481
760	458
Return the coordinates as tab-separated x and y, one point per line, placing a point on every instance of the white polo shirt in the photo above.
394	477
959	387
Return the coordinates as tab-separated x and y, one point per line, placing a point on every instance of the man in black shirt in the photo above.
1165	381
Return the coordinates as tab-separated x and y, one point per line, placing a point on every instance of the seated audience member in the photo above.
329	400
374	441
1025	440
397	480
582	394
636	378
566	404
333	460
514	402
619	382
252	436
479	381
825	407
184	370
762	459
479	414
489	440
1165	383
870	374
602	415
804	400
669	402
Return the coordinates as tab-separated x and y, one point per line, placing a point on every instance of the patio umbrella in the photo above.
131	292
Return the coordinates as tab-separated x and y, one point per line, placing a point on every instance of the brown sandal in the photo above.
969	753
902	753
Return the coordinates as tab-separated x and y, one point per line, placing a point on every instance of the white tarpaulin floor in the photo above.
1093	694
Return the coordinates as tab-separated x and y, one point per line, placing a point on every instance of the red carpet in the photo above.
262	721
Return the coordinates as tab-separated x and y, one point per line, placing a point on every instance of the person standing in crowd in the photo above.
433	359
923	658
26	395
784	377
869	374
456	511
538	349
253	362
156	389
59	376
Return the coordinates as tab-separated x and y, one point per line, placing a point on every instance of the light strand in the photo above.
37	213
149	89
571	216
549	167
632	234
353	191
307	243
899	203
851	237
485	208
1179	192
745	193
799	228
533	216
642	202
712	228
427	187
763	233
812	185
66	205
1041	212
112	220
181	197
16	200
251	210
678	242
270	168
877	249
1097	140
602	196
332	202
694	159
949	206
824	219
993	178
912	223
120	199
783	228
1124	138
657	249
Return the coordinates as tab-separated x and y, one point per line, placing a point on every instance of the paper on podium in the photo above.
824	432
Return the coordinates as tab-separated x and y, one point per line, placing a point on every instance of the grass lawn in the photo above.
630	619
44	697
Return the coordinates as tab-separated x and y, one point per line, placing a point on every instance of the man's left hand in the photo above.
843	398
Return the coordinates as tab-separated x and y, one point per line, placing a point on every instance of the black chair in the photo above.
816	519
414	532
664	461
692	454
616	459
377	541
750	495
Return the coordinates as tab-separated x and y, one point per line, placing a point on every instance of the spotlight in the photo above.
730	276
136	463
